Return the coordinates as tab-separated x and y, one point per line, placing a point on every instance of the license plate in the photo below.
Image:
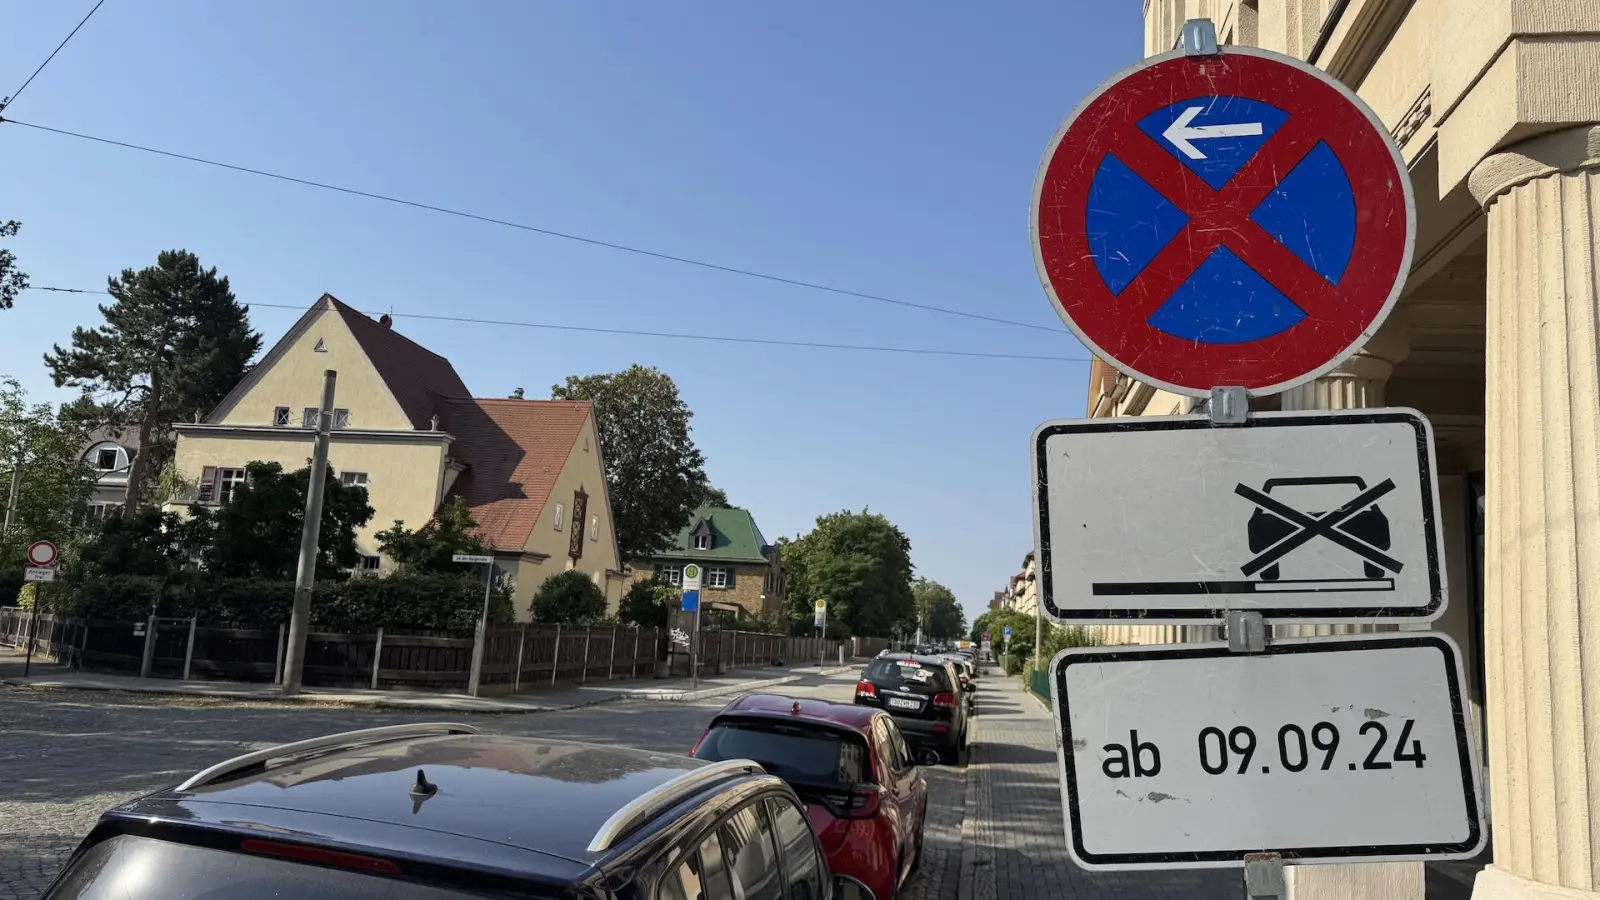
897	703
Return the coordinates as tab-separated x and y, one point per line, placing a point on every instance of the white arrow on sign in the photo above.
1180	132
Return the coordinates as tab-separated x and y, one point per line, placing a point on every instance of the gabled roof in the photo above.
735	537
514	451
418	377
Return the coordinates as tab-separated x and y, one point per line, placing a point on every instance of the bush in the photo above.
569	597
646	604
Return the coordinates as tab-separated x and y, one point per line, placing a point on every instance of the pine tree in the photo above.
174	343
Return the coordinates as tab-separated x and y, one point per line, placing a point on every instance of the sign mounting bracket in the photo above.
1264	877
1200	38
1229	405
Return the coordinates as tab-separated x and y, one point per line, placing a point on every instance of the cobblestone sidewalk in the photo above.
1019	840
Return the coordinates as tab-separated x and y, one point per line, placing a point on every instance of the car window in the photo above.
802	866
752	855
714	869
902	752
683	882
126	867
797	753
909	674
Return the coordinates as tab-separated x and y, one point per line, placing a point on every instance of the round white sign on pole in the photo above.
41	554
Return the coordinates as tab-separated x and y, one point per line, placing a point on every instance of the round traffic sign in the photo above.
41	554
691	571
1232	220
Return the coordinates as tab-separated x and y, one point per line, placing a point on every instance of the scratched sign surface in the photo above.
1324	515
1232	220
1334	749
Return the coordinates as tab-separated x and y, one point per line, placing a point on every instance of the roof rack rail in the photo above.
327	742
642	808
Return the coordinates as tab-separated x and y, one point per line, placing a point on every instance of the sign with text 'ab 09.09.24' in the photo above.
1229	223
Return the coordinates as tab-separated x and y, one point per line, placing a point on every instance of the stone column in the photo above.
1357	383
1542	529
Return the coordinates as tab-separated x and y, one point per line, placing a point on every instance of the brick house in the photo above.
743	573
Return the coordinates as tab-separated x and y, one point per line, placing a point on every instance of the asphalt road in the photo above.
65	756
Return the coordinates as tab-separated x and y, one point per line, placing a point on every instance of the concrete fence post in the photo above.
377	657
522	642
188	653
611	667
633	665
555	656
583	674
277	660
149	659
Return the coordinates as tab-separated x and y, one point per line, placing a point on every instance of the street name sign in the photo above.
1327	750
42	554
480	559
1238	218
1324	515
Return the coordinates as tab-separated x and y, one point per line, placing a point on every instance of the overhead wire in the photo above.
18	92
675	335
540	230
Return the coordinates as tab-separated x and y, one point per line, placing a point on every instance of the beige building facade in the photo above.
1495	106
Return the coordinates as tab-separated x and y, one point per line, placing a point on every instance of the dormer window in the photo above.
702	535
105	460
702	542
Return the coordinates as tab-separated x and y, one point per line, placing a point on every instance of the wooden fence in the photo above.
519	658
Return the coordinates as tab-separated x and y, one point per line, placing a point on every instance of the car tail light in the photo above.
320	856
865	688
861	803
698	741
944	701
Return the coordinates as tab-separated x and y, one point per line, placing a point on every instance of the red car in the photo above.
864	797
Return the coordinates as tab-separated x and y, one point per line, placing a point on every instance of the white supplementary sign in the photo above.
1336	749
1326	515
472	558
34	573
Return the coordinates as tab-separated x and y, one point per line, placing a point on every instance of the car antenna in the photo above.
421	791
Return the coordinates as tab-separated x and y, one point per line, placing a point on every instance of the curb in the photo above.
405	706
967	879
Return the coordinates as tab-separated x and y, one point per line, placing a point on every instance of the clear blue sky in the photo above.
884	147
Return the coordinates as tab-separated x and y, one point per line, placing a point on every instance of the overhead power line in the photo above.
18	92
725	339
547	232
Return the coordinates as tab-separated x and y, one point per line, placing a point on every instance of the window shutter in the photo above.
208	486
728	577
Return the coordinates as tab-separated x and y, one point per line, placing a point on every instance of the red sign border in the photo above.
1402	269
55	554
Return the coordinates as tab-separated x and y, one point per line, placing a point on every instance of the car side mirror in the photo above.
847	888
969	687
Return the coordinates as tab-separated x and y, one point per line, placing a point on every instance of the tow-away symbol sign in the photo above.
1180	132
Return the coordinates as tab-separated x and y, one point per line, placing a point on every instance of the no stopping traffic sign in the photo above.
1239	219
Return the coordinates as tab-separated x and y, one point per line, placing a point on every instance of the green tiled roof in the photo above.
734	538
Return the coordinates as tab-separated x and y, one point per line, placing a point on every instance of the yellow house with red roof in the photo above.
407	429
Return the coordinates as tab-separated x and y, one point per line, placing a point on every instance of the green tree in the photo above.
569	597
257	534
174	343
430	548
938	612
647	603
860	564
654	473
55	484
13	281
714	497
148	543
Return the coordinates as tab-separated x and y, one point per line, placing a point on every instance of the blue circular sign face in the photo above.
1007	632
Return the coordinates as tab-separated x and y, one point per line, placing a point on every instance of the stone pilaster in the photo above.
1542	535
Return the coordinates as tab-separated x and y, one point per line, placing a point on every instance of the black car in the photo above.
441	812
924	694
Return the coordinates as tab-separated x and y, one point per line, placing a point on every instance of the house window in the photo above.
229	481
353	479
371	563
718	577
280	417
309	419
594	528
98	511
672	575
580	511
106	459
561	512
341	418
702	542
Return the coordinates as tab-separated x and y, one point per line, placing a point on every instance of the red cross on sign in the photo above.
1239	219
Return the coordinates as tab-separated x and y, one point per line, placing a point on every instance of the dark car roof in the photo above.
777	706
495	794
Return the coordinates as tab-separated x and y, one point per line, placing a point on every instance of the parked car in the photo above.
439	811
850	765
923	694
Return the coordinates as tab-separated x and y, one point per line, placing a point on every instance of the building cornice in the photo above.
299	435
